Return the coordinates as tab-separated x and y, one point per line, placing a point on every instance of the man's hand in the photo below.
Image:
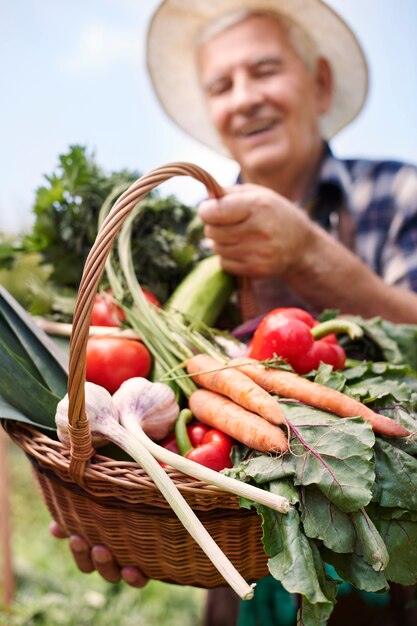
256	231
99	558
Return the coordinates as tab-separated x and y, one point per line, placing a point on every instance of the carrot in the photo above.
289	385
254	431
210	374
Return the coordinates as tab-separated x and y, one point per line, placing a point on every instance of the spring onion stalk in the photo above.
200	472
104	424
167	335
104	211
181	508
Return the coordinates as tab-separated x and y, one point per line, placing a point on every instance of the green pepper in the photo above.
204	445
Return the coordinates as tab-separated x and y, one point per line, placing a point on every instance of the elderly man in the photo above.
269	82
268	95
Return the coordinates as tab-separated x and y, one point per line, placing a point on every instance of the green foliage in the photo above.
384	341
10	245
66	213
354	493
163	246
29	361
165	241
19	267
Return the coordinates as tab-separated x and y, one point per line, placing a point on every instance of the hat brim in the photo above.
173	72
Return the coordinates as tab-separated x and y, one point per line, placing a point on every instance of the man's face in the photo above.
263	101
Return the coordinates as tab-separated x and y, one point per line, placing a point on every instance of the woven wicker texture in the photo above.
115	502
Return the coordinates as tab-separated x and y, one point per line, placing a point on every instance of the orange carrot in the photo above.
211	374
254	431
289	385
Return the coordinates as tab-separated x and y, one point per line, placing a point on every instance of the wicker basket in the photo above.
115	503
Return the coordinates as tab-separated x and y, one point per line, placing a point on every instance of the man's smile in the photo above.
256	127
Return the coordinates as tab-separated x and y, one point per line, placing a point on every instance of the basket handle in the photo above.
79	429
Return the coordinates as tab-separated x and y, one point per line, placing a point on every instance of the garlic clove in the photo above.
99	408
153	404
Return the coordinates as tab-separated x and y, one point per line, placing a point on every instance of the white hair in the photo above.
299	39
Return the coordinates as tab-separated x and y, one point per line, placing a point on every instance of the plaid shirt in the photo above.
381	197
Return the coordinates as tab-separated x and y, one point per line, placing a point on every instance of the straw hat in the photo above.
171	59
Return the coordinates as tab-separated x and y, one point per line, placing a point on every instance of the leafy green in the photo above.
384	341
24	392
353	568
66	212
33	372
162	250
28	342
324	521
396	470
334	454
353	494
398	529
294	559
166	243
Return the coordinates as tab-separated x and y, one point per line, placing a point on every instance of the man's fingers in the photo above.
105	564
98	558
81	553
224	235
133	577
223	211
56	531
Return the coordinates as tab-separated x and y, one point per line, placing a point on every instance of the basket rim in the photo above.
106	477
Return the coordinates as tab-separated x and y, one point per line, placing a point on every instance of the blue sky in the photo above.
73	72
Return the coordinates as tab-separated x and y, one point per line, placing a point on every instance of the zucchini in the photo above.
203	293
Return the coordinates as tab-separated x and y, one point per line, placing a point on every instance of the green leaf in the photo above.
354	569
333	453
9	338
400	537
343	532
396	476
33	371
295	560
385	341
327	376
324	521
24	392
314	614
370	544
382	382
32	346
336	454
9	412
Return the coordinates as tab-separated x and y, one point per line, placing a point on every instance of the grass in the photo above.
50	590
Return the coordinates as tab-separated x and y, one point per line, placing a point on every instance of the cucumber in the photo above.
203	293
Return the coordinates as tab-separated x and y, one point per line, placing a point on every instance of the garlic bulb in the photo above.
154	405
99	407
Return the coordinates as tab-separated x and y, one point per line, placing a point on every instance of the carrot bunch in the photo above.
236	398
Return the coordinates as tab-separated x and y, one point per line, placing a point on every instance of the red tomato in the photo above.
105	311
151	297
112	360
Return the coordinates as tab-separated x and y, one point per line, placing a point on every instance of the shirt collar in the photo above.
334	172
